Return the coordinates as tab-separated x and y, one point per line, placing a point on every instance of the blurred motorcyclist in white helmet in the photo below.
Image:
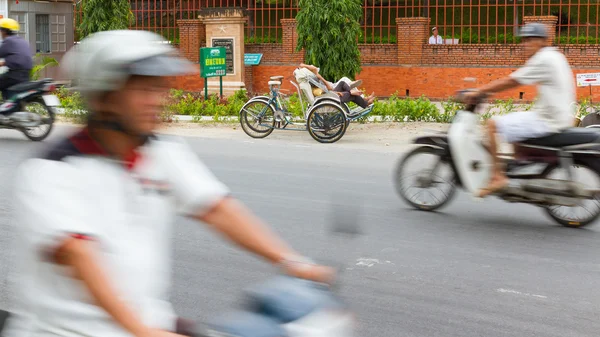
95	211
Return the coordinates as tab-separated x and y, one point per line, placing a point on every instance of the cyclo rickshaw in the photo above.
325	117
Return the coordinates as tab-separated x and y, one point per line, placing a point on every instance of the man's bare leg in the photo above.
498	179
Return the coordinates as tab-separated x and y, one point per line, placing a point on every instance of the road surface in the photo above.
473	269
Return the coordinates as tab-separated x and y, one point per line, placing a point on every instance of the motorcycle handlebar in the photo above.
471	106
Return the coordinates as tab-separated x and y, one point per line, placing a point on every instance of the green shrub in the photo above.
451	107
73	104
407	110
45	62
394	109
194	104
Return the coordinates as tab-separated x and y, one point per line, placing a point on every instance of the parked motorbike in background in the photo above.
559	173
31	109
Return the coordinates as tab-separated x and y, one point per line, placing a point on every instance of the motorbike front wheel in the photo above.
435	176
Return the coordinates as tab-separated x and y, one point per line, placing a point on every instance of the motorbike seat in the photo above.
27	86
568	137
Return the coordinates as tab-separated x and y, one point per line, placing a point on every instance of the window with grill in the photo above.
58	31
42	33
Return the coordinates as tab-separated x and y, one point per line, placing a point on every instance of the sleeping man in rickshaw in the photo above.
314	85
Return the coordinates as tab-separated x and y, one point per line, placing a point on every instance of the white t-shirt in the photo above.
434	40
126	211
550	71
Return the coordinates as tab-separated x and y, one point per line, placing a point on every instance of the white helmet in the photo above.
105	60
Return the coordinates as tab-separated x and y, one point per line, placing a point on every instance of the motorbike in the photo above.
31	109
281	307
284	306
542	172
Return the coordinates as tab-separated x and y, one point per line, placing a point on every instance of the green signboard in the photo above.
252	59
212	62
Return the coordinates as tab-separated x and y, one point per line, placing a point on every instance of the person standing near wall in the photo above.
435	38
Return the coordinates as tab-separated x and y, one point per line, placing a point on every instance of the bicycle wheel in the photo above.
326	122
257	119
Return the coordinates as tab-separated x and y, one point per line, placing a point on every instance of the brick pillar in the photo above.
290	41
192	37
413	33
248	78
549	21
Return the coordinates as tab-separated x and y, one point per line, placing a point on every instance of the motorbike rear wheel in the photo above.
590	207
425	180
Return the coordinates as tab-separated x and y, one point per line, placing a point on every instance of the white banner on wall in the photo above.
589	79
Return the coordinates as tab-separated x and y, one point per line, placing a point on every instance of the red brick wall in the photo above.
249	78
378	53
188	83
434	82
192	37
412	35
369	53
271	51
584	56
579	56
289	54
472	55
411	64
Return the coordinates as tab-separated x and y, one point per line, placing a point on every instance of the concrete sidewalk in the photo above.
381	137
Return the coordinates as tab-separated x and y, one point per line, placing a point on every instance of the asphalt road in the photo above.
472	269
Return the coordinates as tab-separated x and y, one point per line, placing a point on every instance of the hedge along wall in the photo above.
410	67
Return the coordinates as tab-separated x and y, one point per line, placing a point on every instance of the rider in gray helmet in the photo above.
553	111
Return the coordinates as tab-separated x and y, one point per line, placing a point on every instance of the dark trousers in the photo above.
344	88
10	78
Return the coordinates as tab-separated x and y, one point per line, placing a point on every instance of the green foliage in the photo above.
73	104
328	32
45	62
407	110
295	107
101	15
586	106
394	109
194	104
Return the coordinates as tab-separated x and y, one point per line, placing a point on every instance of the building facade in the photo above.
47	25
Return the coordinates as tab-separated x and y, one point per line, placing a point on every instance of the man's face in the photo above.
532	45
435	32
139	102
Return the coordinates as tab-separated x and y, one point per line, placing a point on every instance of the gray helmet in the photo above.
105	60
534	30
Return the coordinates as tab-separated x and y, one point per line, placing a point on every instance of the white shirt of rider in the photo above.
550	71
129	215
